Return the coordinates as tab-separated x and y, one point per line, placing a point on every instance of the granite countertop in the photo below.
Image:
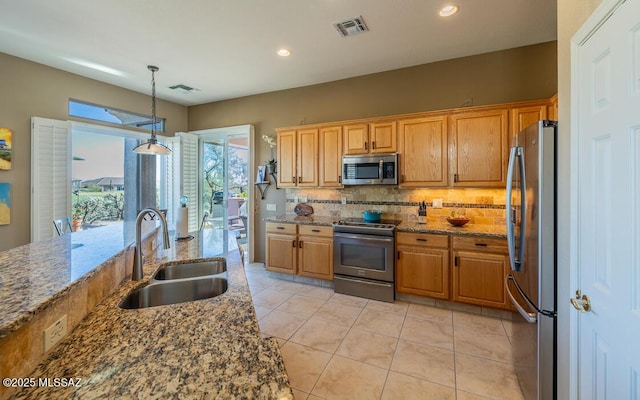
33	275
209	348
496	231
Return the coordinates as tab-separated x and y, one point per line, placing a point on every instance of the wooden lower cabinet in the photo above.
422	264
305	250
281	253
315	257
463	269
479	270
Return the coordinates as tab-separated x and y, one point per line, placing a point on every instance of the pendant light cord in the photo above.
153	70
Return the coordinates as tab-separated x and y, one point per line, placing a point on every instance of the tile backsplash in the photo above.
482	206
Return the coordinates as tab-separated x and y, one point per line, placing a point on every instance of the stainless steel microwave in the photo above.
370	169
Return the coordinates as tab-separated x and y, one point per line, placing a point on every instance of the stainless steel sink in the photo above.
190	270
173	292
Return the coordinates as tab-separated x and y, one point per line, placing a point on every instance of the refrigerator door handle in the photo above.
516	262
530	317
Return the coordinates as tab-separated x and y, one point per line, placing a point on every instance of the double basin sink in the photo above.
180	282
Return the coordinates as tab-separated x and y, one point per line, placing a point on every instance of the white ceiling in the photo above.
226	48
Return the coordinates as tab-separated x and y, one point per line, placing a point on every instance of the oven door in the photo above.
363	256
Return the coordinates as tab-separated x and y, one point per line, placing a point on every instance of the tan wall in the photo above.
571	15
525	73
29	89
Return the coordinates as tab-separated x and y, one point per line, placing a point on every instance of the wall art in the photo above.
5	149
5	203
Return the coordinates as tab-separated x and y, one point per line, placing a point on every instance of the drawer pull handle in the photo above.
293	243
481	244
421	240
280	227
315	230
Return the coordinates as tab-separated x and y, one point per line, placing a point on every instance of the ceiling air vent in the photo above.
184	89
351	26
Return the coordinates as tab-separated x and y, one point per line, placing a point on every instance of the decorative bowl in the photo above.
458	221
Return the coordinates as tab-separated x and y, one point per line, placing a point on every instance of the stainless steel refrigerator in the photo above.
531	237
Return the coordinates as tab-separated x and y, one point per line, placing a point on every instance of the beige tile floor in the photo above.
343	347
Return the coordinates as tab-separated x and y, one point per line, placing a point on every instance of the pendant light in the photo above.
152	146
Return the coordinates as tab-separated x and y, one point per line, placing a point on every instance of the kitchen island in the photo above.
209	348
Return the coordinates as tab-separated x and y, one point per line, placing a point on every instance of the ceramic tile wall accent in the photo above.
482	206
23	349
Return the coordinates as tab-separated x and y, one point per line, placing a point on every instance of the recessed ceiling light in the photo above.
448	11
284	52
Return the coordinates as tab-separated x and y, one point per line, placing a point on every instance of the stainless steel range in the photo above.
363	258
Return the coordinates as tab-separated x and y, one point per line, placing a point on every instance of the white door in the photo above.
606	86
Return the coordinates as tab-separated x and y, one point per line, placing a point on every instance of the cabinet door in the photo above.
423	271
308	157
315	257
383	137
478	278
478	145
552	108
281	253
356	139
422	144
287	176
330	157
524	116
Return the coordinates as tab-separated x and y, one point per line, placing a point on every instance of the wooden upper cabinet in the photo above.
307	157
330	162
552	108
287	152
478	148
376	137
422	145
383	137
298	158
522	117
356	139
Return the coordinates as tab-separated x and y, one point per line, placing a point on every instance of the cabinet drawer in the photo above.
489	245
422	239
315	230
276	227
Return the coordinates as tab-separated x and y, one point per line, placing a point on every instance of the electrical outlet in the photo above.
271	207
303	199
344	200
54	333
437	203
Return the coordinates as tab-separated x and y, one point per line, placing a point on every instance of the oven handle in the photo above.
369	238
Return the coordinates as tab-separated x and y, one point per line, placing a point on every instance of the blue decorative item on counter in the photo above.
372	215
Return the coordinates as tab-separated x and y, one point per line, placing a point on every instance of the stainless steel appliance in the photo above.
531	236
370	169
363	262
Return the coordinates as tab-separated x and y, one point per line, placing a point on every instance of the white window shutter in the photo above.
189	175
171	184
50	175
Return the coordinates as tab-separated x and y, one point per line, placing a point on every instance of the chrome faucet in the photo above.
137	273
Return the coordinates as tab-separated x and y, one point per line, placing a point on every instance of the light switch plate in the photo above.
437	203
55	332
303	199
344	200
271	207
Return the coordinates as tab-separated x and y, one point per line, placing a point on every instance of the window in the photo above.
113	115
54	189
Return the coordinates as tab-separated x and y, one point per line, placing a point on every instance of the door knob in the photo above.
581	303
